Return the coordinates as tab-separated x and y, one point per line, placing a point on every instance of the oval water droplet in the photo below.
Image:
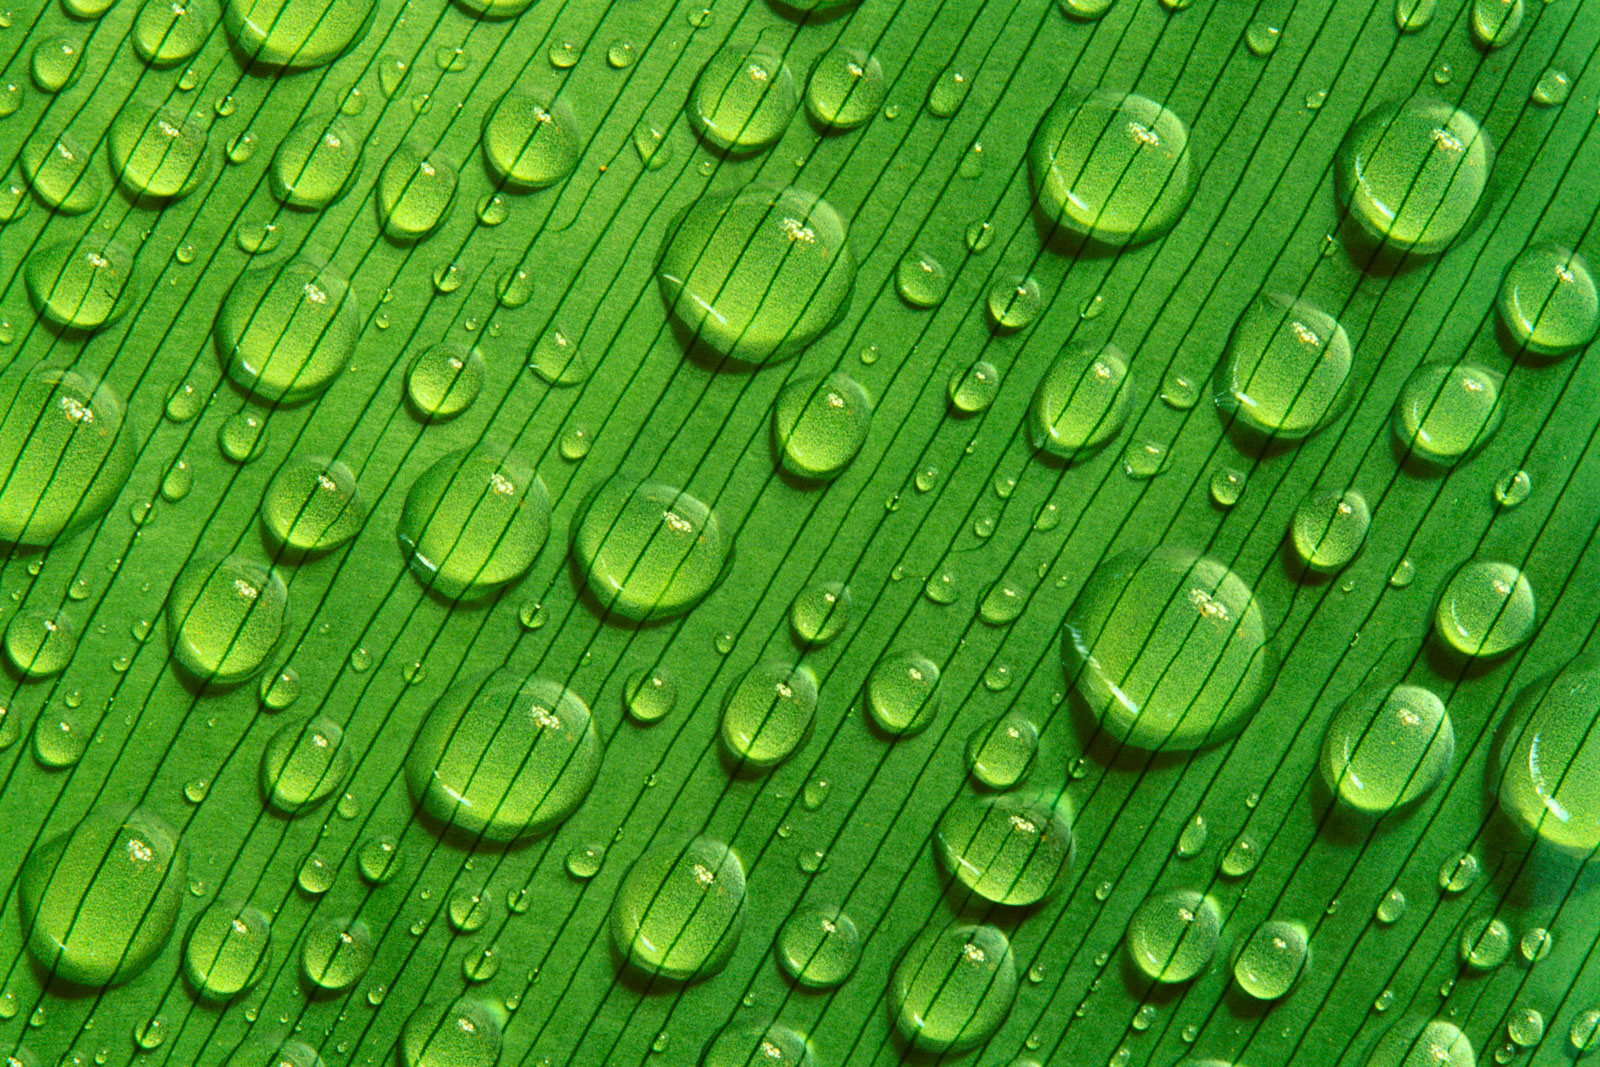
1007	850
40	643
819	424
953	987
1548	758
303	764
1387	747
1285	369
1272	960
1173	936
818	946
820	613
158	153
84	285
316	163
649	695
228	950
530	141
1548	301
473	522
1496	22
168	32
57	166
743	99
1000	751
287	330
903	693
1081	403
224	618
768	713
444	379
415	191
296	33
1329	527
312	504
679	911
1487	609
336	952
846	88
1415	1042
648	551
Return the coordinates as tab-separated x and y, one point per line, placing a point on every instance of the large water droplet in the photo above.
1414	1042
1548	300
56	63
1169	649
1111	167
818	946
296	33
1000	751
820	613
312	504
768	713
336	953
1172	936
167	32
903	693
303	764
100	901
443	380
1547	771
57	166
286	331
228	950
1329	527
1387	747
157	153
743	99
1272	959
505	759
224	618
648	551
530	141
1285	368
819	424
415	191
315	163
1496	22
466	1034
473	522
1007	850
1082	401
758	274
1446	411
82	285
846	88
40	643
679	911
953	987
1487	609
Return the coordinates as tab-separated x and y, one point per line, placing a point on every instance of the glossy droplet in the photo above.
741	1046
649	695
414	192
903	693
279	689
820	424
336	953
530	141
619	54
1512	488
1445	412
316	875
506	758
1486	609
474	522
1548	302
243	436
1227	486
99	902
379	859
1192	838
303	764
1261	37
1414	1042
1391	907
56	63
1536	944
296	33
1241	857
921	279
584	861
463	1034
953	987
1387	747
1000	751
1412	16
160	154
1085	10
1547	770
1485	944
1413	174
168	32
564	55
57	166
973	387
40	643
242	146
768	713
680	910
820	613
1585	1032
846	88
1285	368
85	284
1014	303
1111	167
444	379
1170	649
1082	401
468	910
228	950
1525	1027
60	739
1007	850
948	92
313	504
224	618
1496	22
1272	959
759	274
287	330
819	946
1329	528
743	99
316	163
1173	936
648	551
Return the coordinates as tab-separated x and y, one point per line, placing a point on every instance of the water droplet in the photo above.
1412	16
414	192
620	54
336	952
56	63
1007	850
1081	403
1585	1032
1387	747
287	330
1173	936
1458	872
768	713
680	910
1487	609
225	617
243	436
444	379
312	504
650	142
40	643
1014	303
948	92
1548	759
819	424
820	613
1552	88
379	859
1261	38
1169	649
759	274
279	689
1512	488
771	1046
243	145
1144	459
1000	751
1413	174
84	285
649	695
1548	301
1415	1042
315	874
922	279
953	987
159	154
315	163
99	902
1485	944
473	522
1228	485
846	88
530	141
482	965
295	34
1525	1026
168	32
1284	371
1536	944
1192	838
1329	528
743	99
1495	22
506	759
818	946
57	166
648	551
1272	959
974	387
1085	10
468	910
303	764
228	950
59	739
584	861
1241	857
564	55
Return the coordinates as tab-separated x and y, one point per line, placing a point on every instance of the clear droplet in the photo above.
680	910
1081	403
819	424
1228	485
1329	527
948	92
1173	936
768	713
846	88
313	504
1014	303
1548	301
1547	770
818	946
1387	747
1512	488
336	953
1458	872
648	551
444	379
415	192
83	285
473	522
225	617
315	163
287	330
1000	751
1285	369
820	613
1007	849
160	154
1485	944
169	32
228	950
531	141
953	987
1272	959
743	99
974	387
304	763
40	643
1495	22
1486	609
243	436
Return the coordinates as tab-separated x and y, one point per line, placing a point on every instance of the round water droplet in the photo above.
743	99
56	63
1387	747
1007	850
1085	10
468	910
296	33
1014	303
1458	872
1111	167
414	192
1329	528
466	1034
759	274
228	950
1391	907
649	695
818	946
1485	944
287	330
315	876
84	285
1525	1027
1170	649
584	861
846	88
379	859
1536	944
313	504
1192	838
57	166
1172	936
1081	403
1000	751
680	910
921	279
1272	959
157	153
1548	301
820	613
168	32
1414	1042
648	551
767	715
1487	609
1240	858
1412	16
1228	485
99	902
903	693
444	379
948	92
1512	488
60	739
1285	368
819	424
336	953
1585	1032
40	643
1446	412
243	436
224	618
953	987
556	360
1413	175
1495	22
473	522
1548	758
303	764
1261	37
505	759
619	54
316	163
531	142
